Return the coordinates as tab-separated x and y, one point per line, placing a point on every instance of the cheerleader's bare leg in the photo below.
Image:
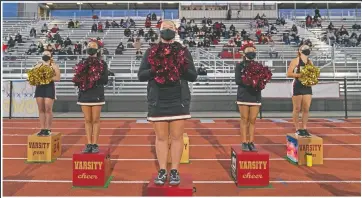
41	108
253	113
48	112
176	132
96	114
162	132
306	102
87	111
244	122
297	103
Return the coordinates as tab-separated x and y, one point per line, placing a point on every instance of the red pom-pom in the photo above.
256	75
87	73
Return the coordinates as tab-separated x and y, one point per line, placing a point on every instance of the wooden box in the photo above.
44	148
185	153
249	169
185	188
298	146
91	169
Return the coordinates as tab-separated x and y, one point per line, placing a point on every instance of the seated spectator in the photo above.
77	48
231	43
308	21
272	51
95	17
209	21
200	44
44	28
77	24
107	24
49	37
127	32
132	23
154	17
159	22
202	74
105	51
11	42
94	27
286	39
186	41
273	29
70	54
192	42
57	38
140	33
203	21
263	39
100	27
330	26
356	27
70	24
62	54
119	49
115	24
148	23
19	38
54	28
67	42
32	49
258	33
343	31
33	32
40	48
148	16
257	17
319	22
130	40
215	41
207	42
138	46
294	29
49	48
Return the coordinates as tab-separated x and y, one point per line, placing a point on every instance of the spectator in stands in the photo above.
49	37
331	37
107	24
62	54
343	31
138	46
127	32
148	23
280	21
356	27
54	28
141	33
33	32
257	17
294	29
40	48
201	74
77	24
77	48
272	50
154	17
19	38
100	27
57	38
286	39
330	26
229	14
70	24
319	22
50	48
263	39
209	21
115	24
132	23
119	49
44	28
95	17
317	13
308	21
183	20
192	42
203	21
358	40
273	29
94	27
70	54
258	33
159	22
11	42
106	52
32	49
67	42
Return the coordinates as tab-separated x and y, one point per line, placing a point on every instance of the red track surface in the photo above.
210	142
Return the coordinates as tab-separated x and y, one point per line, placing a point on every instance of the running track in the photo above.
209	155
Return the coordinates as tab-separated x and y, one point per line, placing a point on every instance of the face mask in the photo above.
91	51
250	55
168	34
306	52
46	58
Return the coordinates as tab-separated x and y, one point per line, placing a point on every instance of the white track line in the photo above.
195	182
211	159
193	128
191	145
216	135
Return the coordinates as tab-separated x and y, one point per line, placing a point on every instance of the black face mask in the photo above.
92	51
306	52
46	58
168	34
250	55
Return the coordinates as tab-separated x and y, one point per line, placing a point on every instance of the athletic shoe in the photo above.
299	132
47	132
252	147
306	133
174	178
41	132
88	149
161	177
245	147
95	148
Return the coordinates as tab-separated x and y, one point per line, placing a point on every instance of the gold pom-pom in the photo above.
41	75
309	75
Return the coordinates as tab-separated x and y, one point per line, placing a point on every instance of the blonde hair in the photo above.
92	44
168	22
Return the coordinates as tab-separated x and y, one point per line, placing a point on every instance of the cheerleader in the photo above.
91	93
168	66
45	95
302	95
248	100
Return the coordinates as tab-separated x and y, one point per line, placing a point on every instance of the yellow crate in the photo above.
185	158
44	148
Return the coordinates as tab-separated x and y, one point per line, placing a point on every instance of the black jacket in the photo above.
96	93
145	74
243	89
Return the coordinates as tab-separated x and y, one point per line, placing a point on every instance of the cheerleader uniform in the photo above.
167	102
298	87
45	91
246	95
95	95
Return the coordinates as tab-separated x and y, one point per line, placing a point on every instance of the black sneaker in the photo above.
88	148
252	147
306	133
245	147
95	148
47	132
174	178
161	177
299	132
41	132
